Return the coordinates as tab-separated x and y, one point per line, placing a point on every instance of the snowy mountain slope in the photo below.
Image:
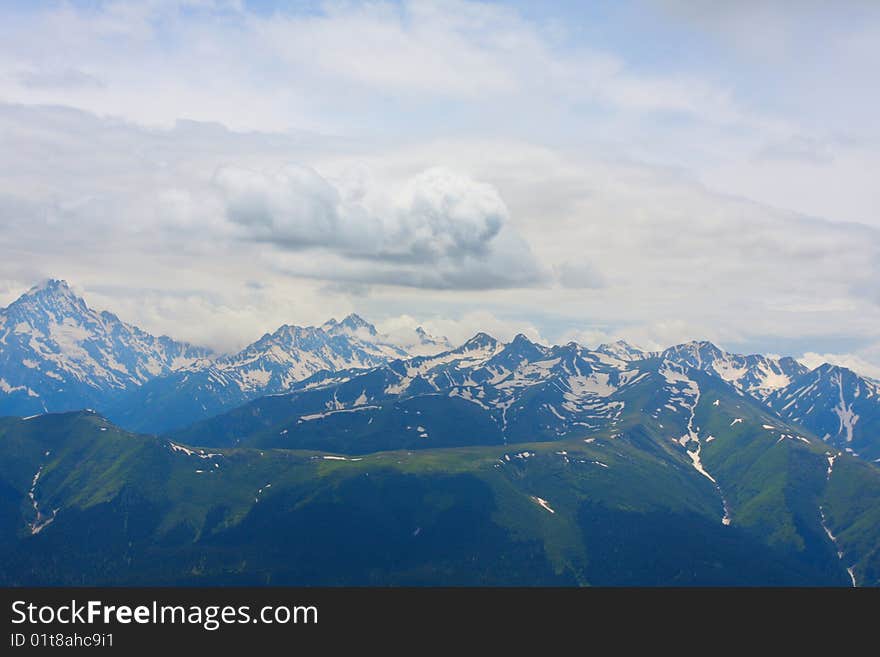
526	389
56	353
521	391
754	374
487	393
293	353
415	343
836	404
832	402
271	365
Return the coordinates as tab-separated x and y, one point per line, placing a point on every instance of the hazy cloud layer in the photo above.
211	170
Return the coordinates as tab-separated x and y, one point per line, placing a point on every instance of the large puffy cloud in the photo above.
436	214
437	229
294	207
440	214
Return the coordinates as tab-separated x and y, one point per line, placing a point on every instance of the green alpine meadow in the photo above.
84	503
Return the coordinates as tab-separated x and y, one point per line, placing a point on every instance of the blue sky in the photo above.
659	170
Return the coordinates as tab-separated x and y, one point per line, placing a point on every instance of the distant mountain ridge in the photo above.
57	354
524	391
271	365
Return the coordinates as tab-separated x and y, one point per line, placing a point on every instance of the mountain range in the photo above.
57	354
336	455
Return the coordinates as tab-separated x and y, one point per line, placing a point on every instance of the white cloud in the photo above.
436	214
851	361
294	207
58	78
437	229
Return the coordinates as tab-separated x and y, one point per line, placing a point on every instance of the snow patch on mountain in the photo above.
843	411
544	504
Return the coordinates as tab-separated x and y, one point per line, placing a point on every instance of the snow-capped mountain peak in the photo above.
440	343
754	374
352	324
622	350
272	365
519	350
56	353
293	353
481	341
51	297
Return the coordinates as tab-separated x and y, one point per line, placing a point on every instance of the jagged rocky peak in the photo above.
289	335
841	377
570	349
352	324
52	296
58	354
827	369
429	339
480	341
698	350
524	348
52	286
